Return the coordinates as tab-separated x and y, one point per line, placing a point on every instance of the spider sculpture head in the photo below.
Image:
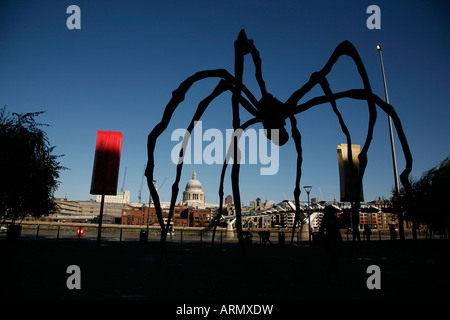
273	119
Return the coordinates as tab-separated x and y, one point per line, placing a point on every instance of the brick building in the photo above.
183	216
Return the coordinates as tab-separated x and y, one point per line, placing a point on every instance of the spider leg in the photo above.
298	146
388	109
221	87
178	97
361	94
357	176
234	152
242	46
237	196
345	48
222	175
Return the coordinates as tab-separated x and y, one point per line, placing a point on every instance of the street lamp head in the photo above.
378	47
307	189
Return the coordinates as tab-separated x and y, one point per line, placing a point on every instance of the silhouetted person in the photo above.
330	229
393	232
247	237
264	237
367	231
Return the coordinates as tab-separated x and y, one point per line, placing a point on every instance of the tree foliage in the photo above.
29	170
429	197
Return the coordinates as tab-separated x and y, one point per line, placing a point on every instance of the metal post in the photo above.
148	212
309	219
57	235
99	234
37	232
308	190
391	136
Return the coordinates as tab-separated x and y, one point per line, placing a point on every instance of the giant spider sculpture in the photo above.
273	115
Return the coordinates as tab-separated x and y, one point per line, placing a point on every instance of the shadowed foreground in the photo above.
37	270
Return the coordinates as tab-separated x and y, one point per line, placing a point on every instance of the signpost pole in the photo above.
99	235
106	168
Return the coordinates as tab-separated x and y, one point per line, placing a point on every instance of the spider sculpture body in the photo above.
273	115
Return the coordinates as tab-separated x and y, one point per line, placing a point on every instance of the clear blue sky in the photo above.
118	72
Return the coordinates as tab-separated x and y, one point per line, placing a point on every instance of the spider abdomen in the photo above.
273	119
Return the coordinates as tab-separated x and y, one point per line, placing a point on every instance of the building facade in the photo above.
87	210
229	200
183	216
121	197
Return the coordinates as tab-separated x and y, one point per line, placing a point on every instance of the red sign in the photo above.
80	231
106	163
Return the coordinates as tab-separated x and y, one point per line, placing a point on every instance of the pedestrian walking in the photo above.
330	232
393	232
367	231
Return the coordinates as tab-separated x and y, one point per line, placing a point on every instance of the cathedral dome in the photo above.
193	184
193	195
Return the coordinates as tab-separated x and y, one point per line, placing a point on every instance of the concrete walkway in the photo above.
37	270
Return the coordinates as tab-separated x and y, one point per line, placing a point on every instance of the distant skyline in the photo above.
118	72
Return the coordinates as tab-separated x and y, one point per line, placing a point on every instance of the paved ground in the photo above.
37	270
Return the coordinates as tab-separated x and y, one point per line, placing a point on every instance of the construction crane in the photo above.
140	190
142	181
160	187
157	189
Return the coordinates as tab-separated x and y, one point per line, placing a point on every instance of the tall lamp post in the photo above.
308	190
391	135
